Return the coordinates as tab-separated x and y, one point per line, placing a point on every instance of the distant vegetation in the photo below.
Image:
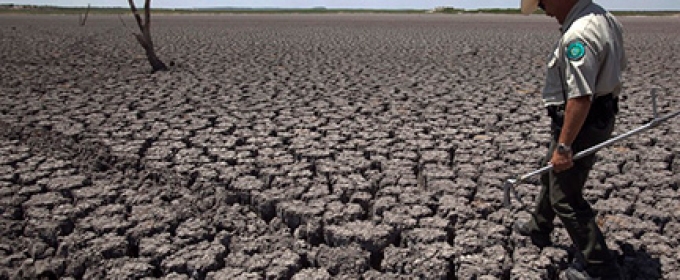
32	9
28	9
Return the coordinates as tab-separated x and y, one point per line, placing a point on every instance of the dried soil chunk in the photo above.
115	223
196	259
371	237
276	265
157	247
247	185
284	265
338	213
313	274
271	255
633	225
297	212
193	230
109	246
35	269
49	229
131	269
233	273
47	199
423	236
346	260
423	261
376	275
67	183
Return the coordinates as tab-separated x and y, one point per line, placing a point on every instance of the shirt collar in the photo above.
574	13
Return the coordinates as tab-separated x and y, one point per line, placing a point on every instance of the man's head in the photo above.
559	9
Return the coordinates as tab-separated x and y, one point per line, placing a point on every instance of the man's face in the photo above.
547	6
557	8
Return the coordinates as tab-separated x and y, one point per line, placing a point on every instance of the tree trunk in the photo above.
156	63
144	38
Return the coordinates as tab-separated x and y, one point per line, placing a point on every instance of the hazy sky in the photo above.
364	4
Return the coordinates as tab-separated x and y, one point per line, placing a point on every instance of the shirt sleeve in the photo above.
581	68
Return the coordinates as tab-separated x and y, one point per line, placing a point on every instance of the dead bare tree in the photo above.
144	38
84	19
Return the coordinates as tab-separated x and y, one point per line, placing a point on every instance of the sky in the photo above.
355	4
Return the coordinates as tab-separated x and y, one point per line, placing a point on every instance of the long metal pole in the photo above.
598	147
510	183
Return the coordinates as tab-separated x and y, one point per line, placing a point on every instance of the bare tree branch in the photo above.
120	16
84	19
147	14
136	15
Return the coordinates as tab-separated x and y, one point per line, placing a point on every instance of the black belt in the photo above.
602	108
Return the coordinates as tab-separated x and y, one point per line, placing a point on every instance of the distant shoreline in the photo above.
31	9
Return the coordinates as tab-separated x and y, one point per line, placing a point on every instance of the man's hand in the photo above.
562	161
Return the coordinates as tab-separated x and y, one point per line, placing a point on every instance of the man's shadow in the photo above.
638	264
634	264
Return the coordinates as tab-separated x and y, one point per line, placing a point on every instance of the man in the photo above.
582	84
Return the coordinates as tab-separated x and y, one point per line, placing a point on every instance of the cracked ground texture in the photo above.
311	147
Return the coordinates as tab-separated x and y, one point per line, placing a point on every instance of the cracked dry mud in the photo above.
311	147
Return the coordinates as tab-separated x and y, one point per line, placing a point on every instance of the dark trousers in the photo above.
562	196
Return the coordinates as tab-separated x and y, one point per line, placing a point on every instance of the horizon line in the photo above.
321	8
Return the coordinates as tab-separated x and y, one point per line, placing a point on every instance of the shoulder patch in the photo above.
576	50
